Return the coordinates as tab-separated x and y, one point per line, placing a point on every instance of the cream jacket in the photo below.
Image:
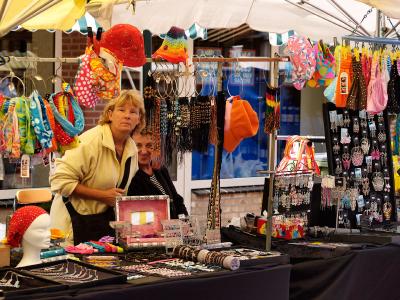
94	164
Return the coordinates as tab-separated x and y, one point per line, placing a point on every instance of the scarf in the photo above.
27	135
75	122
40	121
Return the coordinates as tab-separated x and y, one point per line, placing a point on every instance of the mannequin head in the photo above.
29	226
24	220
38	233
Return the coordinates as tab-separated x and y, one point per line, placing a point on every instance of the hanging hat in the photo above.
125	42
302	58
174	47
20	222
243	124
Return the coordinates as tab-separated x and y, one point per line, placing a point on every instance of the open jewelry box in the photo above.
139	220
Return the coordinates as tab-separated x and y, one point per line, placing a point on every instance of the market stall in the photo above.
107	246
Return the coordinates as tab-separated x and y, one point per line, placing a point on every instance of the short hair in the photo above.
126	96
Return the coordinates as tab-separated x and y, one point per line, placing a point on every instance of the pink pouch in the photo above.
83	87
302	58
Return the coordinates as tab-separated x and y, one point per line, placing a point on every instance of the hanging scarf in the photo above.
393	87
75	122
52	123
377	89
105	80
358	92
40	121
272	110
26	132
11	132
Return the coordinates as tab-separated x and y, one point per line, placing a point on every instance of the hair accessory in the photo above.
357	156
20	222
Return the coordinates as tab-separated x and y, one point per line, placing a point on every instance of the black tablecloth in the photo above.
370	273
362	274
247	283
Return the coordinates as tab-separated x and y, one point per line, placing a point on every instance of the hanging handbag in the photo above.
93	227
298	156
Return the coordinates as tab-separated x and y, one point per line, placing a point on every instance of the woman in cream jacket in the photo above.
90	175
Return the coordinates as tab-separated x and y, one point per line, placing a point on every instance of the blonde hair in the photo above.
126	96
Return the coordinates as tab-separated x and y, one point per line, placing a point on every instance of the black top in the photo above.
142	186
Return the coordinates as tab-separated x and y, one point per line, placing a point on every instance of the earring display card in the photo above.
75	274
15	282
360	157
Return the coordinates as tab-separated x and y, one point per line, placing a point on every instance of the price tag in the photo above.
25	166
344	83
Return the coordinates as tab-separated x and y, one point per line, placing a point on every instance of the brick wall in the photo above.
234	204
73	45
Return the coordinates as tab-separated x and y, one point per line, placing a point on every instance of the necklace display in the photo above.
67	272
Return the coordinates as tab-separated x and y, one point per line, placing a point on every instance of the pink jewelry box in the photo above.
143	216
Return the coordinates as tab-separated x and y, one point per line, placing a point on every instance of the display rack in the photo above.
378	165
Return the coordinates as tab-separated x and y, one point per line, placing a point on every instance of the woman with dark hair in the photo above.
152	181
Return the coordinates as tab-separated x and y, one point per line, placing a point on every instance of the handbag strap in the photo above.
127	171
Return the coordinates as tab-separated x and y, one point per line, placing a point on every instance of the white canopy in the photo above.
335	17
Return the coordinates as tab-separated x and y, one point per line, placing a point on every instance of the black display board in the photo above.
368	128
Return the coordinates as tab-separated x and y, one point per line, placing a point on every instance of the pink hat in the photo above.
20	222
